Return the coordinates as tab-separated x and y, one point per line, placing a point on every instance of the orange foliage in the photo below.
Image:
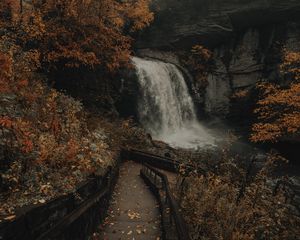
240	94
5	63
279	108
83	33
291	64
229	205
72	149
6	122
202	52
138	14
39	123
43	132
199	63
18	127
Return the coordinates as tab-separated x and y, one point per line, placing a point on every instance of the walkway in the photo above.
134	211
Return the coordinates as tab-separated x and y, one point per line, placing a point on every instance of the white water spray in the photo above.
165	106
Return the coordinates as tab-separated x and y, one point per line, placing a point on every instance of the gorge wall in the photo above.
181	24
246	37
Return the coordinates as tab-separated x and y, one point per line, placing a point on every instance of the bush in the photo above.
234	203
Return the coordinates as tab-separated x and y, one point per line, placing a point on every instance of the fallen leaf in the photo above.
11	217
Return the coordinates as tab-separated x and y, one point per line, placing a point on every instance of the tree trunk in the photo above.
21	6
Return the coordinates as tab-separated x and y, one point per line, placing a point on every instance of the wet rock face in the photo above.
181	24
246	37
250	56
127	95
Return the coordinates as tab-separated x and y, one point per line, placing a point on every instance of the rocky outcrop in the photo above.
181	24
249	57
246	37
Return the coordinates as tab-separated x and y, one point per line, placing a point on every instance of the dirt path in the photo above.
134	211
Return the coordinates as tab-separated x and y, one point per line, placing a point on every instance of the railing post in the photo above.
171	222
166	197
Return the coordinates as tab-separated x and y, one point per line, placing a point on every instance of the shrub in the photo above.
233	203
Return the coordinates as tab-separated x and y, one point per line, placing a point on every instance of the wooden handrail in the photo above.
161	162
180	224
154	155
58	229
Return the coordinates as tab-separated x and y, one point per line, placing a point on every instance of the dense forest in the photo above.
211	86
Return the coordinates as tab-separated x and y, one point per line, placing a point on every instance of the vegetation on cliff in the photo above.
232	201
278	109
199	61
277	112
77	33
49	142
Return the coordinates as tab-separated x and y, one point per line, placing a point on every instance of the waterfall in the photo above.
165	107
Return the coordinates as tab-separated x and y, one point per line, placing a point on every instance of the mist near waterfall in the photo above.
165	107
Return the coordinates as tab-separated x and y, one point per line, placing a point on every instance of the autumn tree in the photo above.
83	33
50	34
5	13
46	147
199	62
38	124
279	107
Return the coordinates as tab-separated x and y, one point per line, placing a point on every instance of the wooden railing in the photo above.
174	225
161	162
72	216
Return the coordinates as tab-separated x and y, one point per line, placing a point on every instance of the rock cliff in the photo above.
183	23
246	36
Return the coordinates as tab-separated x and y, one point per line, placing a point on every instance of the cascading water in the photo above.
165	107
